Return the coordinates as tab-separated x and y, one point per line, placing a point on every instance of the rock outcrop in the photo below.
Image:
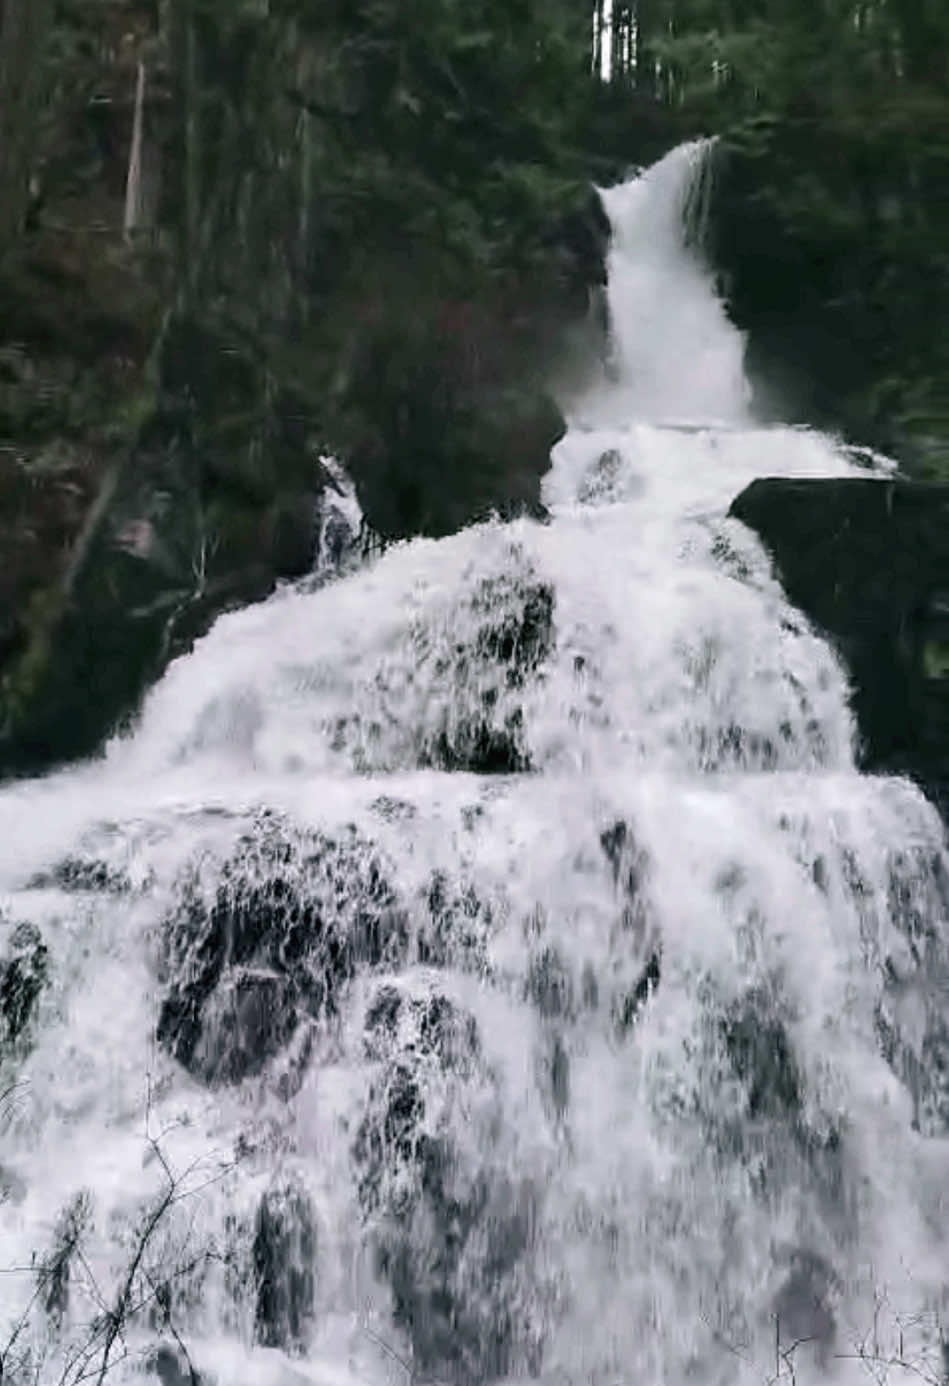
259	945
867	561
451	1233
24	970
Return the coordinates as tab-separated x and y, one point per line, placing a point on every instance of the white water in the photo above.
679	1219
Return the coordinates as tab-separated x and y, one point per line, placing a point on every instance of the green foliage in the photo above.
833	221
367	200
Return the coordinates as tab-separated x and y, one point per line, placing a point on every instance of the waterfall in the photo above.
675	355
491	964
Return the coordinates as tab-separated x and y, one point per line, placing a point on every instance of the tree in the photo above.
831	221
24	27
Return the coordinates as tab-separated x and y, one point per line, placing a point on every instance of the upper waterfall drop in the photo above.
675	355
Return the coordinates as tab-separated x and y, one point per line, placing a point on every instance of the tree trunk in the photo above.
597	62
134	191
192	153
23	28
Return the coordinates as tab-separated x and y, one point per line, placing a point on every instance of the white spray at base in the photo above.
492	964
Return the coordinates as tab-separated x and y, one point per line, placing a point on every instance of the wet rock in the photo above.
761	1119
913	1011
757	1044
552	989
269	940
170	1367
441	444
392	810
284	1258
626	1008
77	874
721	748
430	1025
867	561
599	484
458	701
628	861
550	986
559	1070
24	971
636	932
449	1234
522	638
248	1018
730	559
413	1039
455	1292
605	482
455	925
56	1268
485	670
803	1305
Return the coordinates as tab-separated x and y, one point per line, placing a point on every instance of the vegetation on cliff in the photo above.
234	232
830	224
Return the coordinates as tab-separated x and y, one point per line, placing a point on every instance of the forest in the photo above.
236	233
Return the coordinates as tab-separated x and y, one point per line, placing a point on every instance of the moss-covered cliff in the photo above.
240	236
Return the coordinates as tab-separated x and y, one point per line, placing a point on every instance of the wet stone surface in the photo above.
24	972
449	1233
284	1259
489	668
269	941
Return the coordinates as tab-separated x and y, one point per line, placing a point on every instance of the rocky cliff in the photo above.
868	561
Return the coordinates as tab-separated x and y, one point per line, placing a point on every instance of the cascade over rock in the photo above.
24	965
493	964
273	939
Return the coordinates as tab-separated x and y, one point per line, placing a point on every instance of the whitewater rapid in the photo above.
600	1001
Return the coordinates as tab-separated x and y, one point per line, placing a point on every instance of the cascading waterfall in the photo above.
492	964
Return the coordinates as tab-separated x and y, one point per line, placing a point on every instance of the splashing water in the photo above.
675	356
492	964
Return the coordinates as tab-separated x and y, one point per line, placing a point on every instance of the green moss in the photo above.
936	659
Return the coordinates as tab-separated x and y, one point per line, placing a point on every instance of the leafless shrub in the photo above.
145	1293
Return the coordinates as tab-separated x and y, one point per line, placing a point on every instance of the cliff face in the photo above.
223	255
828	229
868	561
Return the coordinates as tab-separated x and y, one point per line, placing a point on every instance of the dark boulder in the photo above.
24	971
803	1306
450	1234
248	1018
550	985
448	426
509	620
170	1367
636	935
759	1049
269	939
600	485
284	1257
771	1130
473	665
913	1011
455	924
72	1225
75	874
868	562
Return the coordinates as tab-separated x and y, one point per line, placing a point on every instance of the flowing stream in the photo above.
491	964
